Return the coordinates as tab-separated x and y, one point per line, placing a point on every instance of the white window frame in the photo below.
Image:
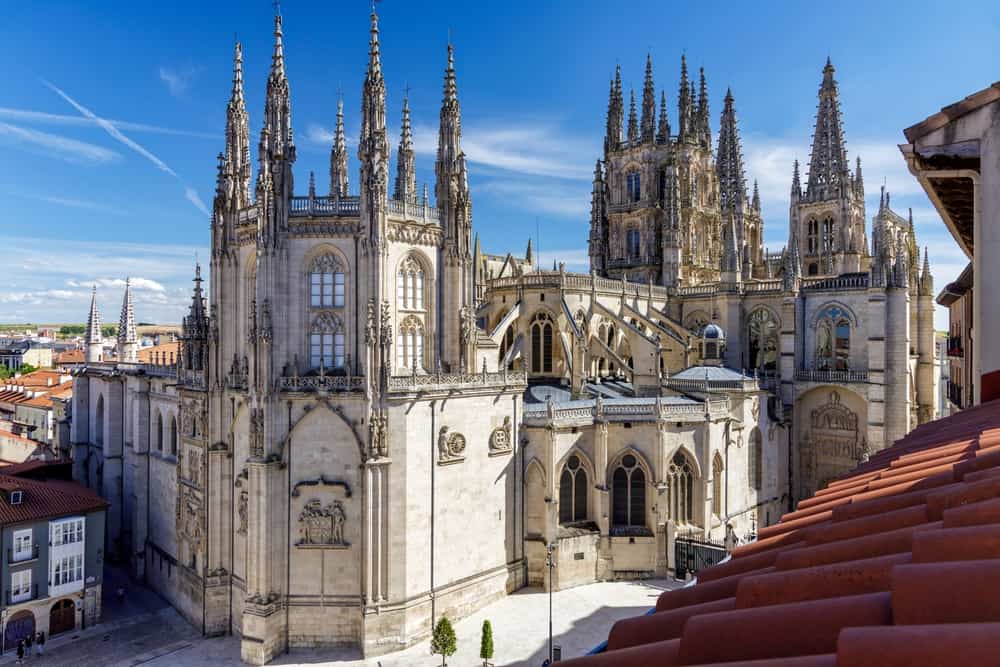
20	585
23	545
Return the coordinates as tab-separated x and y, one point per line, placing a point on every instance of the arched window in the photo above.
812	236
326	342
410	344
827	235
833	339
159	432
633	243
762	340
326	282
634	186
410	285
173	436
755	462
573	491
628	493
717	485
681	489
541	344
99	424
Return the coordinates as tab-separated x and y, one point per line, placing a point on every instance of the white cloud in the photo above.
137	283
45	118
550	196
68	202
192	196
177	81
59	147
319	135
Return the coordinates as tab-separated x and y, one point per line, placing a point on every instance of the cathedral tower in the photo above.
128	341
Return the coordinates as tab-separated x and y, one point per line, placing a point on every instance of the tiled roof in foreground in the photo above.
897	563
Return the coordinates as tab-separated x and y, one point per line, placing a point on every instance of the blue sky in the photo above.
86	201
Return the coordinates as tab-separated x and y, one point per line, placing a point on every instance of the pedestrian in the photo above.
29	643
20	651
40	640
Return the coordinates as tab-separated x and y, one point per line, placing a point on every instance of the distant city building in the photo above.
15	354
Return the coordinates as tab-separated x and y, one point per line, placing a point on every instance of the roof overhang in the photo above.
948	174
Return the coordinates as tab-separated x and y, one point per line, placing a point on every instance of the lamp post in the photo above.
548	562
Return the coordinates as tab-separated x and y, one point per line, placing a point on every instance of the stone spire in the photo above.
859	181
128	341
704	122
237	154
597	220
663	132
451	185
338	156
755	203
729	160
529	255
926	280
796	183
373	95
616	113
828	171
633	125
373	146
93	337
276	150
684	102
731	262
648	125
406	174
195	329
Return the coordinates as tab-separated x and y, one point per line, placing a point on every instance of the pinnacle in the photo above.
278	58
237	95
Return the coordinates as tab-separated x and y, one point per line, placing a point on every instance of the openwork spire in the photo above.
684	102
127	338
450	129
276	142
704	123
796	182
237	155
633	125
663	132
373	95
616	110
406	175
729	161
94	320
755	203
926	280
828	170
338	156
648	130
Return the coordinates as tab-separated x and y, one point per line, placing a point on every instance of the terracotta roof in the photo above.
897	563
70	357
167	353
18	469
953	112
13	436
46	499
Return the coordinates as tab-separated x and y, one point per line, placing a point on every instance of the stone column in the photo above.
897	355
263	622
986	248
601	477
140	479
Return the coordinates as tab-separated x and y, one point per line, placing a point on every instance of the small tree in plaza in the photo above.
486	644
444	641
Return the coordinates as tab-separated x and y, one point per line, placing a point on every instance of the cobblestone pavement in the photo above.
582	618
145	630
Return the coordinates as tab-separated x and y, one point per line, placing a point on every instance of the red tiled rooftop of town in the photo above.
897	563
45	499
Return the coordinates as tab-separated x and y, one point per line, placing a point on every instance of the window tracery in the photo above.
833	339
327	282
628	493
326	342
410	343
573	491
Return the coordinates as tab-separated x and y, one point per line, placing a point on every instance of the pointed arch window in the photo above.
634	185
812	236
628	491
99	425
755	464
762	340
173	436
633	243
717	485
327	282
541	344
159	432
410	285
326	342
573	491
681	489
833	339
827	235
410	344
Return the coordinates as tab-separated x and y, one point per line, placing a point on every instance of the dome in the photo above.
713	331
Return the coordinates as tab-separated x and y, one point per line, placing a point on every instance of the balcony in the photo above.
634	205
830	376
956	347
633	260
323	383
955	394
22	556
24	596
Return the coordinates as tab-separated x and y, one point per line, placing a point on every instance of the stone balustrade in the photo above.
451	381
831	376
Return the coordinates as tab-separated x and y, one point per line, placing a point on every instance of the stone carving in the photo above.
415	233
257	432
385	333
243	509
252	322
378	444
451	447
500	438
322	526
832	445
265	322
370	323
327	323
326	263
189	523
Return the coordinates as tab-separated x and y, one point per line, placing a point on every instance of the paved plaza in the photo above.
145	631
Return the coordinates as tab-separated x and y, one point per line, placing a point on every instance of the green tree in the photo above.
109	330
26	368
71	329
4	372
444	641
486	643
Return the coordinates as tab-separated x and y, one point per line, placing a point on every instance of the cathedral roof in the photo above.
711	373
896	563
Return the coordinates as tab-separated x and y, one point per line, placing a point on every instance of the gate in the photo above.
692	555
62	617
19	626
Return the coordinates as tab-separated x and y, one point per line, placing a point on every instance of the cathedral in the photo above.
372	422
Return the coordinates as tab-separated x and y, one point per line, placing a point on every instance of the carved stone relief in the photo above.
832	445
500	439
451	447
242	509
322	527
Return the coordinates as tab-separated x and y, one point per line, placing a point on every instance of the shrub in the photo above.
444	641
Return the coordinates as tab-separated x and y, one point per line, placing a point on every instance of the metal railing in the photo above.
839	377
323	383
956	348
630	410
